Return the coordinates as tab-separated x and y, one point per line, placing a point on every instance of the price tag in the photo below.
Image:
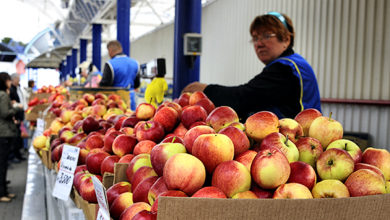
40	126
101	195
64	179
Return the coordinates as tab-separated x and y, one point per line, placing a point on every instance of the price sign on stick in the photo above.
40	126
64	179
101	195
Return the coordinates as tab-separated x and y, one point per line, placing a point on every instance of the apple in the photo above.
278	140
168	117
209	192
145	215
349	146
75	118
173	105
157	188
118	122
309	150
123	144
130	121
245	195
77	138
184	172
388	187
134	209
82	156
207	104
115	190
99	110
140	193
238	125
109	138
77	127
87	189
169	193
192	114
78	178
197	124
359	166
136	163
162	152
326	130
330	189
57	153
89	97
126	158
261	124
261	193
270	168
365	182
173	139
39	142
195	97
240	140
231	177
99	101
221	117
94	161
108	164
149	130
292	191
335	164
379	158
55	126
114	97
141	174
213	149
180	130
145	111
246	158
101	96
94	141
120	204
302	173
184	99
66	115
90	124
291	128
193	133
127	130
306	117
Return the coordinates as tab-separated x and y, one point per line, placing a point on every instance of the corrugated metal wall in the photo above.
346	41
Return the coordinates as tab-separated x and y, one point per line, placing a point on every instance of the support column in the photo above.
188	17
74	62
96	44
83	50
68	64
123	24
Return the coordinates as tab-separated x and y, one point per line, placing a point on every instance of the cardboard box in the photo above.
89	209
366	207
36	112
39	96
108	180
120	172
76	92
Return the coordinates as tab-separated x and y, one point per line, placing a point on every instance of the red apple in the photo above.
108	164
118	122
82	156
94	161
136	163
127	130
306	117
291	128
169	193
99	110
184	172
231	177
123	144
270	168
192	114
162	152
168	117
326	130
261	193
261	124
157	188
335	164
207	104
240	140
140	193
141	174
245	195
278	140
134	209
90	124
209	192
309	150
184	99
246	158
365	182
221	117
77	138
180	130
145	111
94	141
359	166
109	138
213	149
379	158
292	191
115	190
302	173
126	158
195	132
149	130
87	189
173	139
120	204
143	147
195	97
130	121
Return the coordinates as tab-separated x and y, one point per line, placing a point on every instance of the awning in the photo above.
50	59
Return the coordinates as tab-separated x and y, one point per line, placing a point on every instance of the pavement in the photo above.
17	174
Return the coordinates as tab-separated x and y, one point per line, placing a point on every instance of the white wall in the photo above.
345	41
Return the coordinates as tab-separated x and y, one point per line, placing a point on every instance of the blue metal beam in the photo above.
68	64
83	50
74	62
96	44
188	17
123	24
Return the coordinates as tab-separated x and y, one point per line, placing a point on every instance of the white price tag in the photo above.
40	126
101	196
64	179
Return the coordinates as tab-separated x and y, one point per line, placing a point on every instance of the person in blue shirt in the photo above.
120	70
286	85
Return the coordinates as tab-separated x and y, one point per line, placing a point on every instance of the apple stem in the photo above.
147	125
286	140
345	145
173	140
330	116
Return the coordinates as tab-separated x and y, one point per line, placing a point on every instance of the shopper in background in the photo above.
121	70
90	73
8	131
286	85
17	97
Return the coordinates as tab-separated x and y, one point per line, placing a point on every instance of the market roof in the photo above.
50	59
7	54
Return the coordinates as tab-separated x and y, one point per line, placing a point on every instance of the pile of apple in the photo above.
190	148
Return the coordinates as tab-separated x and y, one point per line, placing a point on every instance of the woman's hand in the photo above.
193	87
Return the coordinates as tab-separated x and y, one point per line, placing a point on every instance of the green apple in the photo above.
349	146
330	189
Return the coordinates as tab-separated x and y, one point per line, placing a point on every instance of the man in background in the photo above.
121	70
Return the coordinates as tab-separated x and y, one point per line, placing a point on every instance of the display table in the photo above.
38	201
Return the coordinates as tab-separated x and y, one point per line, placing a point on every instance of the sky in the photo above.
20	20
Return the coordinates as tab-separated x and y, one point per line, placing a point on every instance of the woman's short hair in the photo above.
272	23
4	77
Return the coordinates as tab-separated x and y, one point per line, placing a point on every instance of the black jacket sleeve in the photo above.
13	94
275	86
107	79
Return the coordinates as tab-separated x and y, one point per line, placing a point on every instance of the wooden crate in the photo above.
76	92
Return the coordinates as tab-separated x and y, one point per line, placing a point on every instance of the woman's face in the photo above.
8	83
267	46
